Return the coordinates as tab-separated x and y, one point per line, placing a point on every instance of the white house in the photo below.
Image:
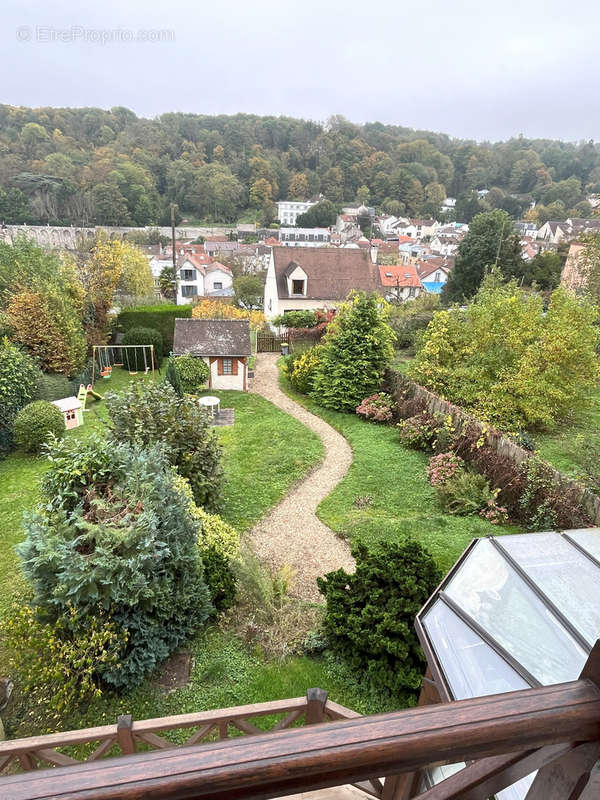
418	228
304	237
199	278
444	245
288	210
223	344
316	277
400	282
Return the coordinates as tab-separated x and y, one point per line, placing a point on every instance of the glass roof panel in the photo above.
472	668
494	595
518	790
569	579
589	539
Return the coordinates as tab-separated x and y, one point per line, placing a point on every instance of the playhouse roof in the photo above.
67	404
514	612
212	337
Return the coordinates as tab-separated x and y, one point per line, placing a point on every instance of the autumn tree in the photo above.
298	188
55	339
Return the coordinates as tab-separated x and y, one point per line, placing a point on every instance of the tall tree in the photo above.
491	241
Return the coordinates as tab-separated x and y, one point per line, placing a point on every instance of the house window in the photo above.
188	274
411	291
297	287
217	285
189	291
227	366
438	277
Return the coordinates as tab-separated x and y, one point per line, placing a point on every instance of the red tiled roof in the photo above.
218	265
399	275
199	260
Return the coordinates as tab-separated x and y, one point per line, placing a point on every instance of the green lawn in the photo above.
265	452
401	501
562	448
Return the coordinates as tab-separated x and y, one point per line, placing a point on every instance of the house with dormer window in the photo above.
310	278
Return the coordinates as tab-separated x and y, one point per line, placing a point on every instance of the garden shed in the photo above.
224	344
515	612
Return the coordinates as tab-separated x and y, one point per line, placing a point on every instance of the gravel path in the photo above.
292	533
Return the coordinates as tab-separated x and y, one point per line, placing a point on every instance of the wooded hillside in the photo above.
82	166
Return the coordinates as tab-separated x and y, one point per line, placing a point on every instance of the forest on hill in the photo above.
86	166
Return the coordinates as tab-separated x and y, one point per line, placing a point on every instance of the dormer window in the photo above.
297	287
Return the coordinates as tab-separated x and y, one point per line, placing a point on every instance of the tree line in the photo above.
110	167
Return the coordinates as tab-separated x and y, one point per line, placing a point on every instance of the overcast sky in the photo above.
471	68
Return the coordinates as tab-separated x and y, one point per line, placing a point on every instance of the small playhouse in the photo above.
72	410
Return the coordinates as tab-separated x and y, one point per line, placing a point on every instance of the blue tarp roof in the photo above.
434	287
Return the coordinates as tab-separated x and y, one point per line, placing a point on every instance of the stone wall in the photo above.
67	238
398	385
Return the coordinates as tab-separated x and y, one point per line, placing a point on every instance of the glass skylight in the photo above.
565	575
472	668
499	600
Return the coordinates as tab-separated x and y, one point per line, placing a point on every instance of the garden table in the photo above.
211	403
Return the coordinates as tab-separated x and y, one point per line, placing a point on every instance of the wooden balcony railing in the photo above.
553	729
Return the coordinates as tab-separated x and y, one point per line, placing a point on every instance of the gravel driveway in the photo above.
292	533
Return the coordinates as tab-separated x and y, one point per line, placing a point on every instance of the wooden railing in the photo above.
127	737
553	729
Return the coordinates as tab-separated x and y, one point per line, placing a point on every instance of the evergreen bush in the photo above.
370	614
300	369
35	423
19	378
134	359
172	377
117	540
193	373
53	387
354	352
147	413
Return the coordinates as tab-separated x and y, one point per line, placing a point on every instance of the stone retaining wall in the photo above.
398	384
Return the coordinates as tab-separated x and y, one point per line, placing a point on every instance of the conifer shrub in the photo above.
355	350
116	540
370	614
172	377
19	378
144	414
36	424
193	373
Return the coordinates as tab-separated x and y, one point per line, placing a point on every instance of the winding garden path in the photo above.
292	533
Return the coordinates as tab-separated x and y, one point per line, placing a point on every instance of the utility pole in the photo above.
174	254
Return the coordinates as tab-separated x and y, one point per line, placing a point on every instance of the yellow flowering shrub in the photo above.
217	309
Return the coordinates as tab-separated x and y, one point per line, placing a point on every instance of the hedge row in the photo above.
161	318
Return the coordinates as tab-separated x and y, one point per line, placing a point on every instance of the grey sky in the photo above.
470	68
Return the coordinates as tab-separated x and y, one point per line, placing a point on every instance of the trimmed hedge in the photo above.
34	424
161	318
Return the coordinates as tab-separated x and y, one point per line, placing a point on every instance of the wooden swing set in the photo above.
111	355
